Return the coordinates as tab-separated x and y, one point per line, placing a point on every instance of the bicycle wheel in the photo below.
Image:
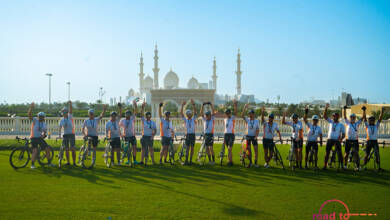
19	158
60	156
88	159
43	157
279	157
108	156
222	153
202	155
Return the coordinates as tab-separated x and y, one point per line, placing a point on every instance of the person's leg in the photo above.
211	149
265	152
230	157
300	156
328	148
339	153
307	150
72	147
162	149
295	148
66	143
192	153
346	151
134	152
34	151
256	149
315	149
378	160
151	152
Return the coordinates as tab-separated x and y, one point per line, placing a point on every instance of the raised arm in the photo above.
284	118
243	111
135	107
201	113
193	106
212	109
30	111
120	110
325	115
70	107
381	115
262	114
83	130
305	115
345	112
364	118
234	107
103	112
182	108
159	109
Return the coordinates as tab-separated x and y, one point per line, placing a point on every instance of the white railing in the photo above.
21	126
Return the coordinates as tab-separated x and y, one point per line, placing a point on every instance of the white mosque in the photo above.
150	89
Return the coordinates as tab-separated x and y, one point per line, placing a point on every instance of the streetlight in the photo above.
68	83
49	75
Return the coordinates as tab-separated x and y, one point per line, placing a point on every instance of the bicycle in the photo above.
353	158
20	156
222	153
171	151
183	150
375	156
202	154
126	152
277	157
292	160
311	156
245	154
87	154
332	156
60	155
108	153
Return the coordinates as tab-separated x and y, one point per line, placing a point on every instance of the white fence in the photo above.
21	126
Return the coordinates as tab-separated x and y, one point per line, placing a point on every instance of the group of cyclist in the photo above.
117	128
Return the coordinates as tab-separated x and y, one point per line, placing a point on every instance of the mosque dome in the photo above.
148	83
193	83
171	80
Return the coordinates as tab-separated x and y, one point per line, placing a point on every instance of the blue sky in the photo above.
298	49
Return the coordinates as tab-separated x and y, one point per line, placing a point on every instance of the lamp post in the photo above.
49	75
68	83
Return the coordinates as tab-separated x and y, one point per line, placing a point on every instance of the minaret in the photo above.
141	74
156	69
238	72
214	74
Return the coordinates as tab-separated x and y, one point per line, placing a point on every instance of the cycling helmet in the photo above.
271	115
41	114
371	118
336	113
128	113
91	111
294	116
208	113
188	112
228	111
315	117
148	113
251	111
353	115
167	113
113	113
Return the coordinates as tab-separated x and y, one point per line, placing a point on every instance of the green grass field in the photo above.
188	192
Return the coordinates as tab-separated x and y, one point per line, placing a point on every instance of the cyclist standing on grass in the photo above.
336	134
352	137
297	137
228	137
37	135
128	129
314	131
90	128
372	135
68	139
269	128
189	123
113	134
148	132
208	130
252	131
166	132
